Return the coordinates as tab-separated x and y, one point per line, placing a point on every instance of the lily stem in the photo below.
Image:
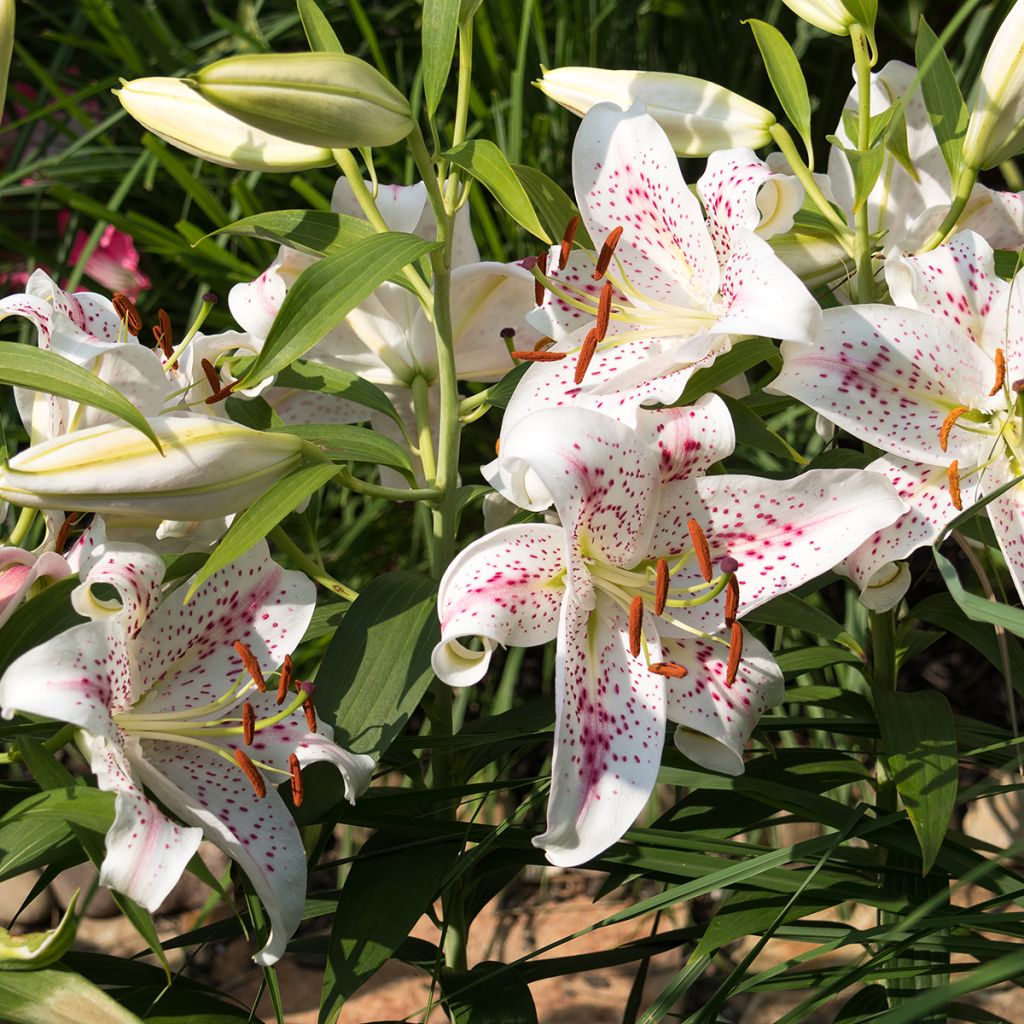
25	520
862	59
309	567
353	483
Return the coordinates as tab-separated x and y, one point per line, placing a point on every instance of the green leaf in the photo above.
485	162
552	205
869	1000
318	29
390	884
343	442
42	370
920	740
309	376
56	995
865	11
440	27
377	666
942	97
315	232
262	516
79	805
500	394
491	993
35	843
39	620
737	360
865	166
327	292
787	79
979	609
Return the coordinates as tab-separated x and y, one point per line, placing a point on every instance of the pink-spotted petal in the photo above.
253	600
558	318
781	532
690	439
997	216
254	304
1006	513
714	719
603	480
925	490
891	376
505	588
258	834
762	296
146	853
626	175
134	572
296	406
609	733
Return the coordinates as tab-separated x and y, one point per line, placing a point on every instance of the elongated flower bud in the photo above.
210	468
828	15
320	99
172	109
995	131
699	117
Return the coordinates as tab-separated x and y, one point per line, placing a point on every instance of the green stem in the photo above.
61	738
424	433
309	567
787	147
353	483
862	59
961	196
25	520
883	680
461	108
350	168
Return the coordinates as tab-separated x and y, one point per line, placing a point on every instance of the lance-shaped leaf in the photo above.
485	162
865	166
315	232
552	205
319	33
327	292
33	950
43	370
440	27
920	740
942	97
491	993
343	442
56	995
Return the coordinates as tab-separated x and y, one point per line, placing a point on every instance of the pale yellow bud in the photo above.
995	131
699	117
172	109
828	15
321	99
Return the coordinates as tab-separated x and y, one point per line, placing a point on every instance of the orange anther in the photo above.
667	668
65	529
1000	373
660	586
735	653
947	425
700	549
533	356
248	723
570	234
251	665
604	309
285	680
732	600
587	351
538	286
636	614
607	251
127	313
307	706
244	762
295	770
953	481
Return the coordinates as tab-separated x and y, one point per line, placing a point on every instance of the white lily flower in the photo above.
165	696
640	586
20	569
828	15
698	116
933	382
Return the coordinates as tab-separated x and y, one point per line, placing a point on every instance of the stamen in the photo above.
251	665
538	286
163	334
661	586
953	480
285	681
244	762
248	723
497	446
127	313
544	343
570	234
307	706
735	653
732	600
667	668
604	310
1000	374
586	354
947	424
538	357
65	530
607	251
700	549
636	612
296	778
212	377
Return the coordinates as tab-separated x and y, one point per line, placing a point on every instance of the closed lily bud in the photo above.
995	131
172	109
699	117
828	15
209	468
320	99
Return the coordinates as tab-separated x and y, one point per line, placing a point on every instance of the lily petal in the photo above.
714	719
1006	513
609	733
134	572
505	588
688	440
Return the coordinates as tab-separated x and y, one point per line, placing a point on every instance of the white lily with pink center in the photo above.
641	586
173	698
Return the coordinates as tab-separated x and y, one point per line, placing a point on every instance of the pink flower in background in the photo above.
114	263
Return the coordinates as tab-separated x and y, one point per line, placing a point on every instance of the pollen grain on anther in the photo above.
660	586
953	483
607	251
251	665
700	549
248	723
1000	373
567	239
587	351
256	780
735	653
636	614
947	425
284	682
295	771
670	669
